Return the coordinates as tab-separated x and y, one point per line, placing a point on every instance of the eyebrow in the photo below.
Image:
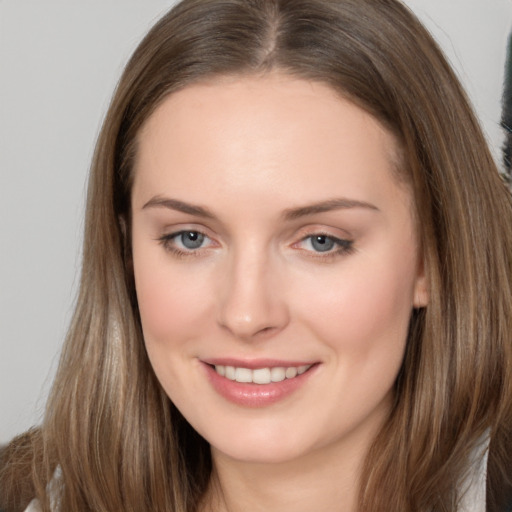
326	206
180	206
289	214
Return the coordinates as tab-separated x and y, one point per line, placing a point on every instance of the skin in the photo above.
249	150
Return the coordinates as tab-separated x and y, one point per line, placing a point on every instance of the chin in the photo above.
262	447
256	454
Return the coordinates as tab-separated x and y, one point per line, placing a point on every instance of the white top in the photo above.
33	506
475	484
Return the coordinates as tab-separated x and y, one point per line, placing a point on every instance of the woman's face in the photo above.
276	265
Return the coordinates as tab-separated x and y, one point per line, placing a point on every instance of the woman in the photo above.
296	285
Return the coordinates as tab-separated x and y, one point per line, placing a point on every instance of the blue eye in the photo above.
190	239
322	243
325	244
185	242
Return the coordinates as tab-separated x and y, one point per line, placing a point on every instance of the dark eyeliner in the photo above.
167	242
342	246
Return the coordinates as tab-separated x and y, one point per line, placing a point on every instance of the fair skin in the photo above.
271	234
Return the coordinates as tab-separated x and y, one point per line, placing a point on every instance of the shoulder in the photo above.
33	506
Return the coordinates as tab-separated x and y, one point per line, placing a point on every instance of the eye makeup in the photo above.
193	243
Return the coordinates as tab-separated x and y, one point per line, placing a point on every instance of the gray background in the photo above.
59	62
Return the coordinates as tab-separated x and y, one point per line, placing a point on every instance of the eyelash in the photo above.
343	246
169	244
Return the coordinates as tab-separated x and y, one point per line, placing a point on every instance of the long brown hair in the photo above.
116	438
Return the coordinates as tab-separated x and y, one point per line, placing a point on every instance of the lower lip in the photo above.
256	395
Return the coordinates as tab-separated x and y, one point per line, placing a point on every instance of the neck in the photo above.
324	480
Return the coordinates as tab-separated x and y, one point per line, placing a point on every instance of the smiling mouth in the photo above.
260	375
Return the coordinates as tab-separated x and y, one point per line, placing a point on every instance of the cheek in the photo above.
366	307
172	317
171	303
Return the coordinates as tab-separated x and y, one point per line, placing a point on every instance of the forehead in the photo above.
299	136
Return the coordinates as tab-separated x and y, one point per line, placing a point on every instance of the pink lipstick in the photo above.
257	383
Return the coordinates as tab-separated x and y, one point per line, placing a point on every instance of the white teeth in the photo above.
291	372
278	374
261	375
230	372
243	375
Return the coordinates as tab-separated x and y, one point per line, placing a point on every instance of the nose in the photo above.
251	302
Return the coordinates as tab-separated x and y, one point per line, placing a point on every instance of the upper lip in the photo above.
254	364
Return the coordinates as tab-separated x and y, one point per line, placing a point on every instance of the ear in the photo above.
421	294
